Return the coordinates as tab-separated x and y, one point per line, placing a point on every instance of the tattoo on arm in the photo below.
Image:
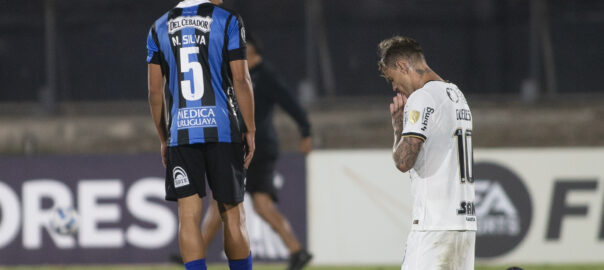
406	152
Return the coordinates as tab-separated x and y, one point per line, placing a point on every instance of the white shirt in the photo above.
442	186
190	3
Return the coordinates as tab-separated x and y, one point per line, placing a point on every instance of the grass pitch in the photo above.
282	266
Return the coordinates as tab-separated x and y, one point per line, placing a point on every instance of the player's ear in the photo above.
402	66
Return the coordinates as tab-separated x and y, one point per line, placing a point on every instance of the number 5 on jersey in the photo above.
196	93
465	154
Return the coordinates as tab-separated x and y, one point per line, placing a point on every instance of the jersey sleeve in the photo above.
152	48
236	39
419	110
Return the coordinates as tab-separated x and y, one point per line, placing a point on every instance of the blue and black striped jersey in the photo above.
194	43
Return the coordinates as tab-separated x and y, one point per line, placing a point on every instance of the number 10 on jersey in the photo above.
465	155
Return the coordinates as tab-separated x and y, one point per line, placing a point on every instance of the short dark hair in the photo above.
391	49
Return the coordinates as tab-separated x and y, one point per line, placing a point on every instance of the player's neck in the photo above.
424	75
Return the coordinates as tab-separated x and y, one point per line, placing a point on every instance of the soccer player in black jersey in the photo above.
199	89
268	92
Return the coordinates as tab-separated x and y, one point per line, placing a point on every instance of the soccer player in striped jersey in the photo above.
268	92
433	141
199	91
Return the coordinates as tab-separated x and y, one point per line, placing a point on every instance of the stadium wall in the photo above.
534	205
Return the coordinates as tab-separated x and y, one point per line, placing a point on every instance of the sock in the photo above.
197	265
244	264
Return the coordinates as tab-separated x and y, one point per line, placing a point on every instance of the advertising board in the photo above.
123	215
533	206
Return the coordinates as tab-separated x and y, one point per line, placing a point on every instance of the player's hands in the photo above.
249	147
306	145
397	108
164	155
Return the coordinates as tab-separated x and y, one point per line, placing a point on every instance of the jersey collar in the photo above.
190	3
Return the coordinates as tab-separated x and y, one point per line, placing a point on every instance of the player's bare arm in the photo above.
406	152
156	104
406	148
242	83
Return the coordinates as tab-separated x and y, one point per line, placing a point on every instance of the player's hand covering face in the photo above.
397	108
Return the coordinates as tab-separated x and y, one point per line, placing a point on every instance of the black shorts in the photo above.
189	165
260	177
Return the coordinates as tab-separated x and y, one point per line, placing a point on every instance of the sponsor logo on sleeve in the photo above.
180	177
427	112
198	22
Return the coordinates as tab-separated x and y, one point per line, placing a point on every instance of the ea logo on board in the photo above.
503	209
180	177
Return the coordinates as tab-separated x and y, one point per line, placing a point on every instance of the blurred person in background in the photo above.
432	140
197	50
268	92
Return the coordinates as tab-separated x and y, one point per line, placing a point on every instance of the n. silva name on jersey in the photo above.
194	46
196	117
189	39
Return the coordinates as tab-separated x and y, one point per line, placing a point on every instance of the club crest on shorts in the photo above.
180	177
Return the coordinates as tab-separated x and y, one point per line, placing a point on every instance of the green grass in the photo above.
282	266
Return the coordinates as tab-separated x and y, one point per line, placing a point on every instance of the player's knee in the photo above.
263	204
261	207
189	217
231	212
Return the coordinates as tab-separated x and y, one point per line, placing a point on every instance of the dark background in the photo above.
482	45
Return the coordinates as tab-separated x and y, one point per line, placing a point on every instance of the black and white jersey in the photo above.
442	184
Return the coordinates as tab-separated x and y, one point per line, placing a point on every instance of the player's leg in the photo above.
236	240
431	250
210	224
225	176
260	184
189	234
265	207
411	255
467	249
185	183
